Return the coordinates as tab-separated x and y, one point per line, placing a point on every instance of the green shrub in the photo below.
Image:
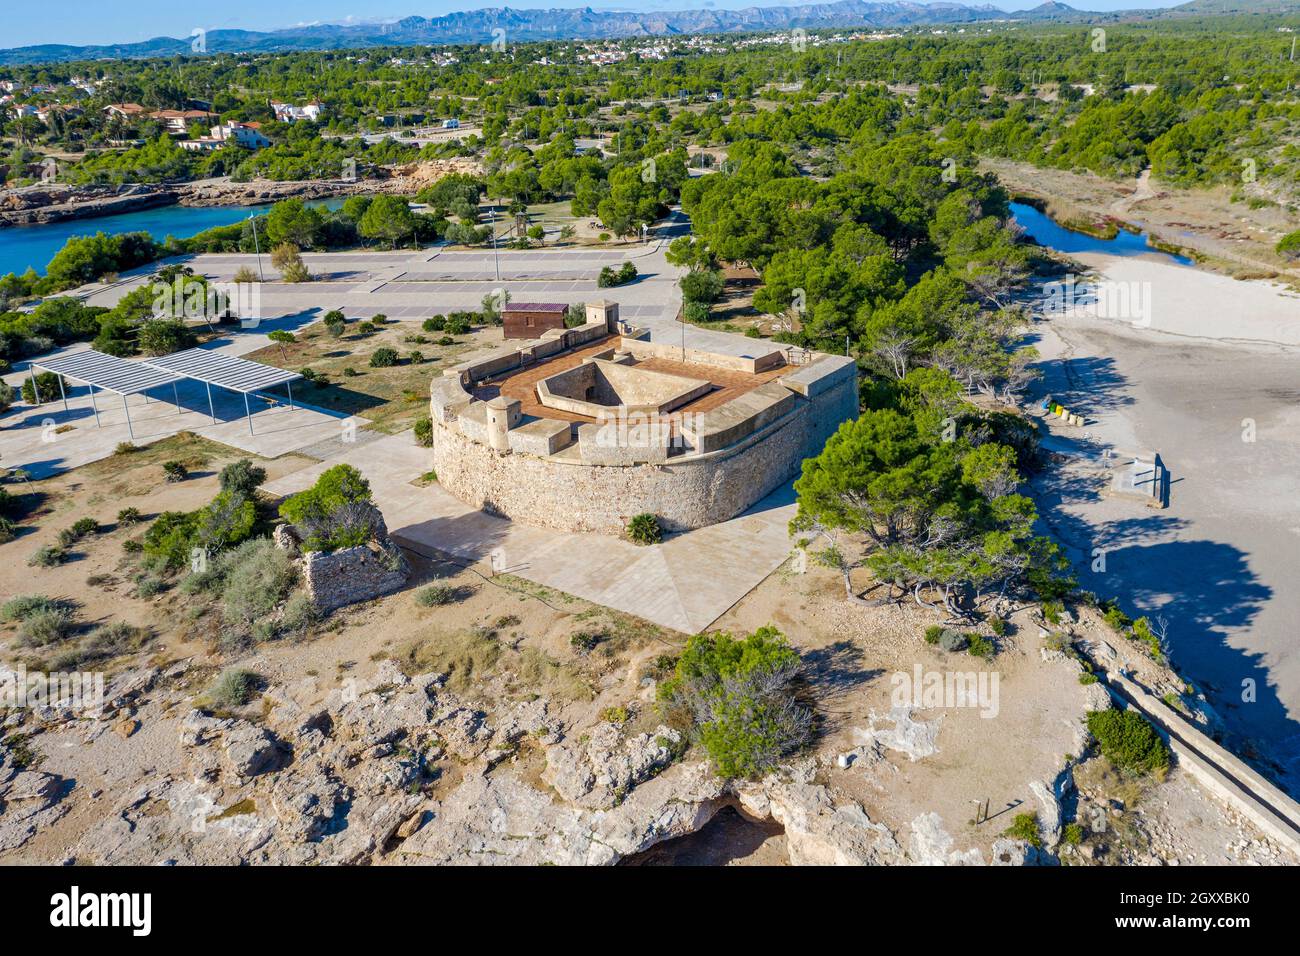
696	313
436	595
1052	611
242	476
615	715
85	526
1087	677
1289	245
326	514
933	633
458	323
415	357
610	276
234	688
644	529
436	323
175	471
24	606
702	285
1025	827
128	516
300	613
171	538
981	646
383	358
47	386
46	626
125	448
1142	632
164	336
738	697
149	585
1129	740
584	641
254	579
998	625
335	323
424	432
49	556
1116	619
1073	834
110	640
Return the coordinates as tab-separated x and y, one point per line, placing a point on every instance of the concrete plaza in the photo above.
686	583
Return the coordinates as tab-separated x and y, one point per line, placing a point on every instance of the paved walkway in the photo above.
47	439
685	584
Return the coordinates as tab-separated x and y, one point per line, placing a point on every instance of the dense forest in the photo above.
1111	101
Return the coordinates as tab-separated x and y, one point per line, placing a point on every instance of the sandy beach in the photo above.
1220	563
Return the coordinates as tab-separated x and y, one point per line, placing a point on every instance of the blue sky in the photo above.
124	21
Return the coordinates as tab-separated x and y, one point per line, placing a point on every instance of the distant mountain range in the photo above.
477	26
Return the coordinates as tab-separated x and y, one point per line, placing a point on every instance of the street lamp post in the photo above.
252	217
495	257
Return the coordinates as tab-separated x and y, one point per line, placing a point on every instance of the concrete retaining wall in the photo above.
1219	770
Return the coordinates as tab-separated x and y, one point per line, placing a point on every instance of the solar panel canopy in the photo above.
224	371
108	372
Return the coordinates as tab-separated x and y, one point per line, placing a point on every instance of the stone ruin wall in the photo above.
335	579
684	492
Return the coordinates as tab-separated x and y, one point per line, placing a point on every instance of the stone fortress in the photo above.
585	427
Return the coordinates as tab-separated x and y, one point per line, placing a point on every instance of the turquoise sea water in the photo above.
34	246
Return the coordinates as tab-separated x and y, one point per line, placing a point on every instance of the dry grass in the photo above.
391	398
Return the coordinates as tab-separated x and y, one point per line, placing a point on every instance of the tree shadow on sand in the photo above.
1207	593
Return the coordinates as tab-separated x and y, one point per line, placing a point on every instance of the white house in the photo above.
247	135
287	113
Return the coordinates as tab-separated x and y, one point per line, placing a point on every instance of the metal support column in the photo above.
95	407
62	394
248	414
176	394
129	430
289	386
211	409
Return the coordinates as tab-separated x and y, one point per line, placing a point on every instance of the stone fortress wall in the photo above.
594	476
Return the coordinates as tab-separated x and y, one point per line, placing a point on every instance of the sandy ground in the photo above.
854	655
1191	303
1220	563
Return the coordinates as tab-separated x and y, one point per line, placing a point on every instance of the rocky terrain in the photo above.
38	205
398	769
390	769
47	203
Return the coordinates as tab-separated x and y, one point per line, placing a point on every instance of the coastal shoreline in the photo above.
99	201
